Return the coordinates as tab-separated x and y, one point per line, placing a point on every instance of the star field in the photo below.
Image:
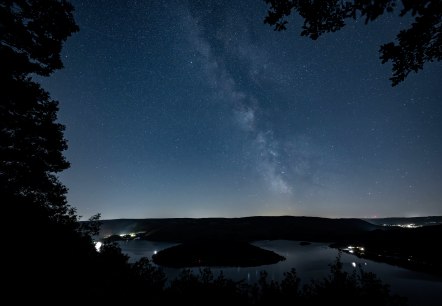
198	109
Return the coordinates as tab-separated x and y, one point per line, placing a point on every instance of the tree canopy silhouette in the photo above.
54	249
415	46
32	35
31	141
54	258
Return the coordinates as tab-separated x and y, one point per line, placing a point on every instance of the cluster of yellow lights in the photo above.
409	225
133	235
352	249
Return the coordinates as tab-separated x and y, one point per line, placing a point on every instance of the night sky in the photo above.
199	109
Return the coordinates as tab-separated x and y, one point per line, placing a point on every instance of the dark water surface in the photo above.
311	262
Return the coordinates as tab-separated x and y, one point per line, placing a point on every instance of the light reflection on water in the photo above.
311	262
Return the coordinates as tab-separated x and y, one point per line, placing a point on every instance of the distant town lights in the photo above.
409	225
352	249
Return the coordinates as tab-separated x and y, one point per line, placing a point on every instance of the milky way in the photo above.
199	109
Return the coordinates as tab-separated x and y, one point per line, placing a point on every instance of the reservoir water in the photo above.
311	262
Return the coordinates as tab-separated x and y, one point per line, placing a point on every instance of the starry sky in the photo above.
198	109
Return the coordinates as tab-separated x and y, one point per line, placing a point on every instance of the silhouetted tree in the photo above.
339	287
344	288
31	141
204	288
32	35
415	46
51	254
269	292
290	286
92	227
149	277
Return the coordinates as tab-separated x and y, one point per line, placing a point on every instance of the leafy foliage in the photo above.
32	35
50	251
92	227
414	47
339	287
345	288
31	141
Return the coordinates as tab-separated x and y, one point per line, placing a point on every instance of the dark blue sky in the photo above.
198	109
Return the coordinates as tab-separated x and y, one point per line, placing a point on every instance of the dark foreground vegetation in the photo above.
143	280
115	281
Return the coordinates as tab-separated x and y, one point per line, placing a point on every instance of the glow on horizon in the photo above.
208	116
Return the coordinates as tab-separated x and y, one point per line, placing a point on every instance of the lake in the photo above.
311	262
